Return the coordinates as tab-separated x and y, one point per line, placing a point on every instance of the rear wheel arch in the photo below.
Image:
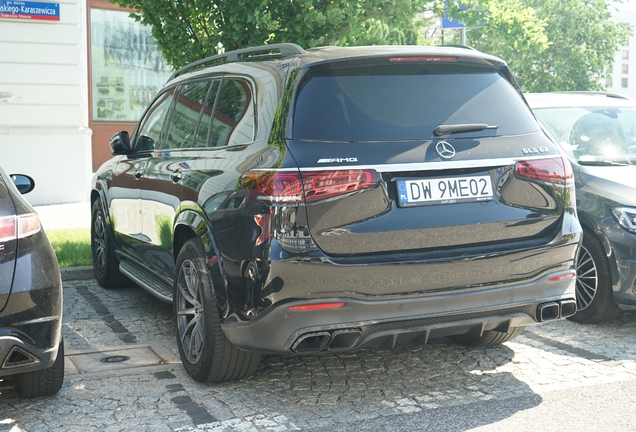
591	229
190	224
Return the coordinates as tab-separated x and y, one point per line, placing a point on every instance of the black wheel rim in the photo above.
586	279
99	243
189	307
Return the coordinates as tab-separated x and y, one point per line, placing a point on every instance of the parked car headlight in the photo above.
626	217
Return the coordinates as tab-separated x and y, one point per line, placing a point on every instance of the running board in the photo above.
146	281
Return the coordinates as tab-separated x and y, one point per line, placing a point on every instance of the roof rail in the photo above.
263	51
596	93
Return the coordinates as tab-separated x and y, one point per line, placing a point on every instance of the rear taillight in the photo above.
12	227
276	186
554	170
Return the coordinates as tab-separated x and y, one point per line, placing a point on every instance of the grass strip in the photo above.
72	246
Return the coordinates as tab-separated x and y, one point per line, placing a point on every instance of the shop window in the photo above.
127	70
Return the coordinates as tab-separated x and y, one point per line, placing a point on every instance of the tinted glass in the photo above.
206	116
231	125
590	134
149	135
185	118
405	101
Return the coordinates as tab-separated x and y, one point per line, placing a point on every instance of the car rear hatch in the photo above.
415	154
8	243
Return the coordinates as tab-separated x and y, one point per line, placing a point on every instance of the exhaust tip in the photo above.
548	311
568	308
311	342
18	357
344	339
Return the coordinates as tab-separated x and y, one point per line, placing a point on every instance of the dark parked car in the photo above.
597	131
31	346
290	201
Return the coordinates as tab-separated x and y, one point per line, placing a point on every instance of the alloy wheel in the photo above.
99	243
189	306
586	279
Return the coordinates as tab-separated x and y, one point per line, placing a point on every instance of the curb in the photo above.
77	273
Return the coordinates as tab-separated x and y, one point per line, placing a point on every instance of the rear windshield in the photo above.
405	102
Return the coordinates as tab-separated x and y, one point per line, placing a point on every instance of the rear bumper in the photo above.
18	356
361	322
31	329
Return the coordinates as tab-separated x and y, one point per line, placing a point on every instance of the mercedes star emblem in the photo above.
445	150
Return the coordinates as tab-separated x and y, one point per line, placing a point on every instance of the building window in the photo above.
625	55
127	69
625	68
609	82
624	83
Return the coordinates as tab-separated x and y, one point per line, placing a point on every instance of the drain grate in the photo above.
115	359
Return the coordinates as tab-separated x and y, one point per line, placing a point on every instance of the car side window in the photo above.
151	126
233	121
187	110
201	138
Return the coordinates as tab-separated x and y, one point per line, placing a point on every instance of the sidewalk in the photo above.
63	216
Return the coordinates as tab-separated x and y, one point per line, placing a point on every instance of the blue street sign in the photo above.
448	23
29	10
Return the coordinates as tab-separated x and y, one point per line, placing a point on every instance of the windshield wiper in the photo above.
466	127
601	163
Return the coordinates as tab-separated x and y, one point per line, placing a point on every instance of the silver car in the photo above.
597	132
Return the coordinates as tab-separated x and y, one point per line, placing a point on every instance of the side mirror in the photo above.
24	183
120	143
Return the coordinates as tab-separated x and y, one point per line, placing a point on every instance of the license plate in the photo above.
450	190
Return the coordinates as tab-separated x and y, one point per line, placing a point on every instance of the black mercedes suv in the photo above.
290	201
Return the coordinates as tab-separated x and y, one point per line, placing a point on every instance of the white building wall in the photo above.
626	13
43	104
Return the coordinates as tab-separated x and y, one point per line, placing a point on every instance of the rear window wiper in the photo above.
466	127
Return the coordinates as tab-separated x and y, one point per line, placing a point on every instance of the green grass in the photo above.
72	246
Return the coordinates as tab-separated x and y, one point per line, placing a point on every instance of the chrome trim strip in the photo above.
424	166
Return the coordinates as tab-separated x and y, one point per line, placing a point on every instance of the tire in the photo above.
105	262
594	296
207	355
44	382
489	338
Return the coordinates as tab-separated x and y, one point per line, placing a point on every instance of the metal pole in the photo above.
462	35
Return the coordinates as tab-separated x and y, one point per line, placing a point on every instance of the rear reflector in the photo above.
12	227
424	59
554	170
562	277
316	306
276	186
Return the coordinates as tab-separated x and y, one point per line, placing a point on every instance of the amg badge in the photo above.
338	160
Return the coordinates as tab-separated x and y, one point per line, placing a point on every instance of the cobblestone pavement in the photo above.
149	390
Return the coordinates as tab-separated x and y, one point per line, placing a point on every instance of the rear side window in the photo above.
206	115
185	118
233	121
405	102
